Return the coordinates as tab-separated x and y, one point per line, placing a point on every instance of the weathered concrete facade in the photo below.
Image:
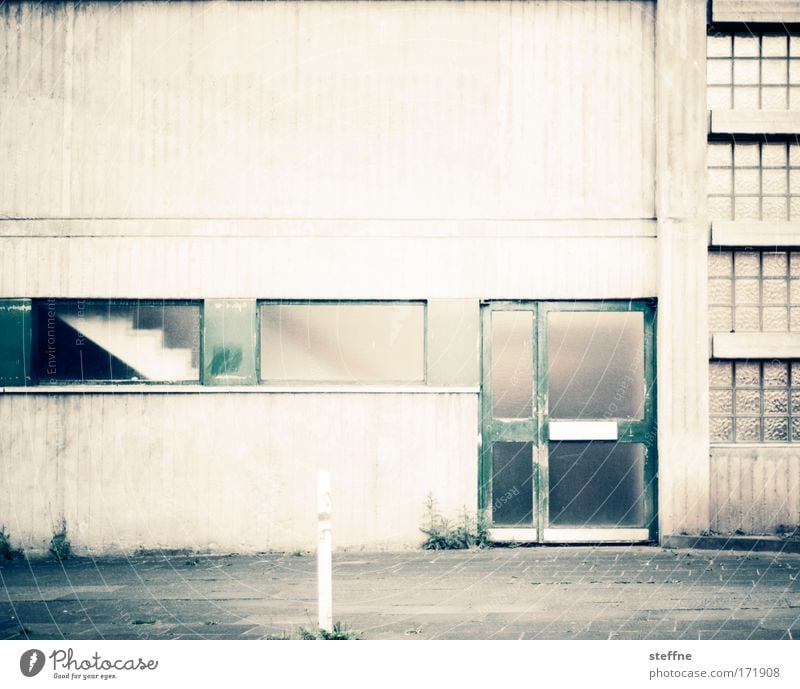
447	152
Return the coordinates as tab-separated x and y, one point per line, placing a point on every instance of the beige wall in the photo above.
232	472
754	490
328	109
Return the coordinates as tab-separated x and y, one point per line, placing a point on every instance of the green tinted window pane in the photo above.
512	364
596	484
512	487
108	340
595	364
343	342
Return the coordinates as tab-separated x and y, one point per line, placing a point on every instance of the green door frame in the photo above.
536	429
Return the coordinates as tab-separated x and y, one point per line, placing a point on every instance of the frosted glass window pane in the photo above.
794	98
794	263
747	182
794	72
776	430
745	72
719	291
774	263
719	46
776	319
748	430
745	46
748	402
746	97
111	340
343	342
795	430
794	291
795	403
596	484
747	375
720	374
746	208
794	46
720	263
794	208
774	155
512	364
776	402
774	46
794	155
720	155
721	401
747	291
794	320
596	364
720	181
776	374
746	264
718	71
720	207
794	182
719	97
773	72
747	319
774	209
720	319
512	487
721	430
795	374
774	98
745	155
774	291
774	182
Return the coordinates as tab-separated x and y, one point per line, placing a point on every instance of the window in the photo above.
343	342
754	291
112	340
755	401
754	181
754	72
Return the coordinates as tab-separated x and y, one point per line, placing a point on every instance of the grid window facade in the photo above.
754	291
754	71
754	401
754	181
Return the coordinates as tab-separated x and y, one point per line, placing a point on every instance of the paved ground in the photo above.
544	593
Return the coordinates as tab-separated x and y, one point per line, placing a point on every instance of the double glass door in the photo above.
568	421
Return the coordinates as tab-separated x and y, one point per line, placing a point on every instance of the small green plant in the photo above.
467	531
60	547
6	551
338	633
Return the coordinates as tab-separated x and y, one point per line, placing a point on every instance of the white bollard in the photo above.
324	567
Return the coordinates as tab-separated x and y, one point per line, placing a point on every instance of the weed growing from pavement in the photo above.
6	551
468	531
340	632
60	547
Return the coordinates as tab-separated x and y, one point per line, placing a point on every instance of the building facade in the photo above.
532	259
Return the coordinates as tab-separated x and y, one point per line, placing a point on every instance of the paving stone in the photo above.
509	593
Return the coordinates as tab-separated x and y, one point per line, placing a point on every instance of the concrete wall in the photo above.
754	490
232	472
